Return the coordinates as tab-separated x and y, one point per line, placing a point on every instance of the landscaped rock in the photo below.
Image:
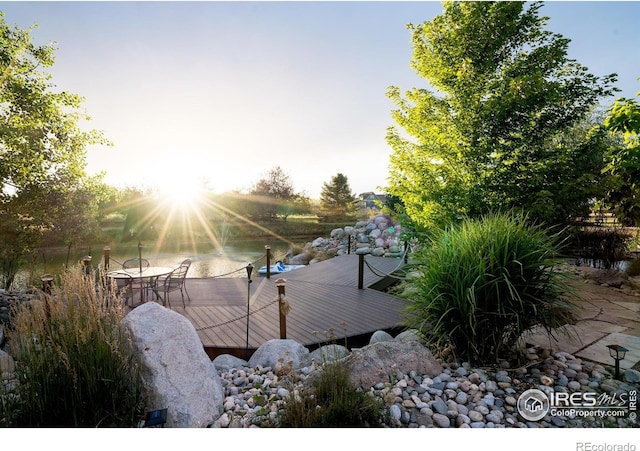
278	351
377	362
177	372
379	336
328	353
228	361
408	335
300	259
7	364
631	376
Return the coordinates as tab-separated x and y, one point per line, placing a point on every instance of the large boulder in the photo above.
177	372
328	353
278	352
378	361
228	361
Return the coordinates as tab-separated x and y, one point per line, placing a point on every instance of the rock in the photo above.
363	251
328	353
7	364
631	376
441	420
380	336
228	361
300	259
378	252
338	233
408	335
377	362
175	369
280	351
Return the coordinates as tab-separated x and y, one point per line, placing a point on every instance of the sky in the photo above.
226	91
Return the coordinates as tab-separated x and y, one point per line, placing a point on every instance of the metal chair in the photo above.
136	263
173	281
124	287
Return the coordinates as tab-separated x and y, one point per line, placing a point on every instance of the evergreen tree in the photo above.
337	203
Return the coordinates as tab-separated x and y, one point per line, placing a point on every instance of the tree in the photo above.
274	196
337	203
42	146
623	162
489	135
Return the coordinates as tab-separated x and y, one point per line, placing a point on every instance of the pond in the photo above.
207	260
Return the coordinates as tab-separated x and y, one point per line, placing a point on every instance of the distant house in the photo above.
372	201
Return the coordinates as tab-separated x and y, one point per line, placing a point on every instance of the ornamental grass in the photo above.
481	284
74	363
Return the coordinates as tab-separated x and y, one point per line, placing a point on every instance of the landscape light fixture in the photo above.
156	418
249	269
618	353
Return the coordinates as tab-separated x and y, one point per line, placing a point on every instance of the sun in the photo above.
183	193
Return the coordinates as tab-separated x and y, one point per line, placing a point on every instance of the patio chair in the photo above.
124	287
173	281
136	263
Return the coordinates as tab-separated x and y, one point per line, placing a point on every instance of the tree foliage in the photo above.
42	149
489	135
623	163
274	196
337	202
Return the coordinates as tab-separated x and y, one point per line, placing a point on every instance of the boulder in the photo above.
7	364
175	369
377	362
363	250
300	259
337	233
228	361
408	335
379	336
329	353
277	352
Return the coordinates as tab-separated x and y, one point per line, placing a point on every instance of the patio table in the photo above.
150	273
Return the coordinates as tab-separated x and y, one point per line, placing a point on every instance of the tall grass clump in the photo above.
74	363
481	284
330	400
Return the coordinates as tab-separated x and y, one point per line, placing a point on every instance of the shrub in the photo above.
74	363
481	284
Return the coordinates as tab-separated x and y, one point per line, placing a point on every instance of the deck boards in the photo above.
323	297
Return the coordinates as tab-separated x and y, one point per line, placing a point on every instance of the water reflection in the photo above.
207	261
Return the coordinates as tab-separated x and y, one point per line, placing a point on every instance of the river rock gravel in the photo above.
462	396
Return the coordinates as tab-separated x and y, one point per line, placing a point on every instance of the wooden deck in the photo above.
324	298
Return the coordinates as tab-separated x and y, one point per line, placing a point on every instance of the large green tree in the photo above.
623	162
42	149
337	203
488	134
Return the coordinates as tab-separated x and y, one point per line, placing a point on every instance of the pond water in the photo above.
207	260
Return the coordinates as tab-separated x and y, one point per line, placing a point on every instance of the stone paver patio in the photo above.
609	316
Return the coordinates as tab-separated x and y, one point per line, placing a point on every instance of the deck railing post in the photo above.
406	254
268	249
107	251
47	281
280	283
348	244
360	271
86	261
